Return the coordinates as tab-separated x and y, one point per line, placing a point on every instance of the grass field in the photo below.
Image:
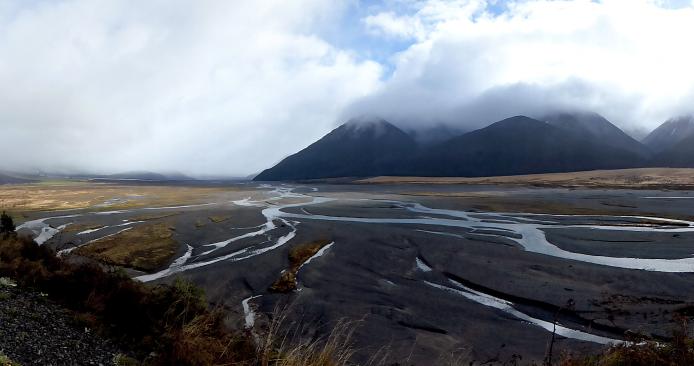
646	178
65	195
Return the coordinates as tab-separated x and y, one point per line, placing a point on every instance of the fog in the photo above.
229	88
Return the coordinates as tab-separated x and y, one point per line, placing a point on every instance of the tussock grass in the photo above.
281	347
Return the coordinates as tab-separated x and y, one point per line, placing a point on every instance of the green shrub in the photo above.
5	361
6	223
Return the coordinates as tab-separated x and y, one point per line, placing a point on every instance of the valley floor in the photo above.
431	271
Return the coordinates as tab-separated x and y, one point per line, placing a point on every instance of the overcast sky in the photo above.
231	87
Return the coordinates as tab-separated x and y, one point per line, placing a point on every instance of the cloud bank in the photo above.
626	59
201	87
221	87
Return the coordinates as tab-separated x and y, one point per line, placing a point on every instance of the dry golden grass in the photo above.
277	347
645	178
101	196
298	254
145	248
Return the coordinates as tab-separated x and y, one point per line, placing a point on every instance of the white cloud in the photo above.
629	59
391	25
215	87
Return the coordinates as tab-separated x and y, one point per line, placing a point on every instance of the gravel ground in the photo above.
36	331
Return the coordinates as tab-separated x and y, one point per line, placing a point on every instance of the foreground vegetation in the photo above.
680	352
160	325
5	361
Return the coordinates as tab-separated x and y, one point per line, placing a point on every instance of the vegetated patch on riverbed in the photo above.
298	255
145	247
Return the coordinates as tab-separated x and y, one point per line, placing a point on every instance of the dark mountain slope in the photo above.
358	148
12	178
597	128
520	145
670	133
681	155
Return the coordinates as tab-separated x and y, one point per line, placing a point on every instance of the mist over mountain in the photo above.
592	126
430	135
561	142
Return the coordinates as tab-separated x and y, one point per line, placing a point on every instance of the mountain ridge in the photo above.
559	142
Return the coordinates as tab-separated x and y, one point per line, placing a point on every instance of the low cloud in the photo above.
628	60
201	87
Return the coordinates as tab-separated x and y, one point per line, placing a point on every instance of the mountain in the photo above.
358	148
15	178
680	155
521	145
670	133
596	128
142	176
517	145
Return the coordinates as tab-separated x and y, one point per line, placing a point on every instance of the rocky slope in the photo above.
36	331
